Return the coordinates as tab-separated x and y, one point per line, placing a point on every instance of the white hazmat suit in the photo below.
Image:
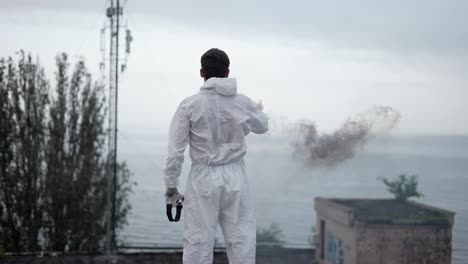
214	123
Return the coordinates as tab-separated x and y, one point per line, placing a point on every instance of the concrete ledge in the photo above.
265	255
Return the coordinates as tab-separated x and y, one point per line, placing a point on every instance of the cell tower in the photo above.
115	66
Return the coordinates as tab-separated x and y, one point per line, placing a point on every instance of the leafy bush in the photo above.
310	238
272	236
404	187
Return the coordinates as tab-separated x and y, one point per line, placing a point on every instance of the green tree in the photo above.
404	187
23	104
76	183
53	160
270	236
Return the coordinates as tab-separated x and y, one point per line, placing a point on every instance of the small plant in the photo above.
404	187
310	238
270	236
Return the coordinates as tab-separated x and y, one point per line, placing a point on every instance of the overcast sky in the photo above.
314	60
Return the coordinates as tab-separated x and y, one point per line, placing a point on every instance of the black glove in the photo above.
173	199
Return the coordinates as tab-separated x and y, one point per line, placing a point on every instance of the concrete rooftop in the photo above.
391	211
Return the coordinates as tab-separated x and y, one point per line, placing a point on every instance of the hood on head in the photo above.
224	86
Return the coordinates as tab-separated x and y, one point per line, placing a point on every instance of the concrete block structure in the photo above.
382	231
265	255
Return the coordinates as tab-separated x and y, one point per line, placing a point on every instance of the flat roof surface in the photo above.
392	211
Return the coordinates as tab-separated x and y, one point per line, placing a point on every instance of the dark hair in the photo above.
215	63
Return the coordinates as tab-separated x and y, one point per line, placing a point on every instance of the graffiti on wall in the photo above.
335	252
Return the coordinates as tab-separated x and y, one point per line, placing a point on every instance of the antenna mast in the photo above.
116	66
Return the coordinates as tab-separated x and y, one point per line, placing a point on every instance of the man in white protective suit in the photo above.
214	122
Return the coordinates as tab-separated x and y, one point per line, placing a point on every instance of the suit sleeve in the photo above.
178	141
257	121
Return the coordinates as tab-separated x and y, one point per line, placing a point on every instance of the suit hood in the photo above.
223	86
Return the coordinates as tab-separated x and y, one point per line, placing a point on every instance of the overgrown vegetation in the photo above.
271	236
53	160
404	187
310	238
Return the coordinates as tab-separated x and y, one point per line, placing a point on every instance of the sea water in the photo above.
284	188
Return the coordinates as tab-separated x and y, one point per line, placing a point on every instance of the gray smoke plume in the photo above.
331	149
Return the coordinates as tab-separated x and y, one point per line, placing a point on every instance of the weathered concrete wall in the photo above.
348	240
340	244
264	256
340	239
390	244
120	259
